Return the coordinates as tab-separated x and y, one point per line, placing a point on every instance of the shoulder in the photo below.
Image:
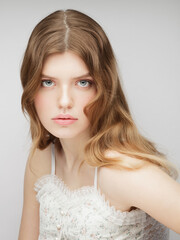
125	184
37	166
40	163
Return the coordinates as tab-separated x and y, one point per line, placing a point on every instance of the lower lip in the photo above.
64	121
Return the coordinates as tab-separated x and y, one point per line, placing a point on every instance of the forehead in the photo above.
64	64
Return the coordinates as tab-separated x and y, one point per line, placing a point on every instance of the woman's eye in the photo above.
84	83
47	83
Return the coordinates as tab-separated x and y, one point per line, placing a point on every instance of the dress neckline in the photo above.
53	172
83	192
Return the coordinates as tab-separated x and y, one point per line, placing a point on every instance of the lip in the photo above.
64	119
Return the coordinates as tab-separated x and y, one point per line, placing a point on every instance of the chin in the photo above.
71	134
66	135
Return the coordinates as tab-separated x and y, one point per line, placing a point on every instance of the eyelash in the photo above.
43	83
87	81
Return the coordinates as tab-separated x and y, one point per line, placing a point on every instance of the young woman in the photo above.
90	174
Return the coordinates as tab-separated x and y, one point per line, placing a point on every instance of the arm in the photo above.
156	193
29	228
38	166
149	189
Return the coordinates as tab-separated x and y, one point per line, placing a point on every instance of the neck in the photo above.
73	152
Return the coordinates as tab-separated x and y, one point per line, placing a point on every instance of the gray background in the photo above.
145	36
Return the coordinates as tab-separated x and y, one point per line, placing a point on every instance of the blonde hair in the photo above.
112	127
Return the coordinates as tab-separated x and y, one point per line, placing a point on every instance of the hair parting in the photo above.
67	31
112	127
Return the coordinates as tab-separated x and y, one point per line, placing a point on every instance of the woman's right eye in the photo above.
47	83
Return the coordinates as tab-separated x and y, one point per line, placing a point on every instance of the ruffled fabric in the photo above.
132	217
86	214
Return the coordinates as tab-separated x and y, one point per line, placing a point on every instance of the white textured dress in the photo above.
84	214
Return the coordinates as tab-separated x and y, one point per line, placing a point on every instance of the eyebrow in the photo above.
82	76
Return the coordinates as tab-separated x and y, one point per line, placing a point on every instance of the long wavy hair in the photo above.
112	127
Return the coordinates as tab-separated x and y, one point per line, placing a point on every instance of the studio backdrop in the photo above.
145	36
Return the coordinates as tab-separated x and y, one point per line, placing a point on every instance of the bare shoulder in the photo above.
148	169
37	166
148	188
115	183
123	185
40	163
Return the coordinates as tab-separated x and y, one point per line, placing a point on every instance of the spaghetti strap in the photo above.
52	159
95	178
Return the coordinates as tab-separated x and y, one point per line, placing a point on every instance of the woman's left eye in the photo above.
47	83
84	83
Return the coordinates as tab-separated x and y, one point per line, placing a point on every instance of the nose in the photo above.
65	100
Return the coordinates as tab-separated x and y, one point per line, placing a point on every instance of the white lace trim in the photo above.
86	214
132	217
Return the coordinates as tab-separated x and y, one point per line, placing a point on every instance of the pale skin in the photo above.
66	88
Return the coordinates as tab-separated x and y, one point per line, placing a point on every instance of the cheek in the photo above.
84	101
41	103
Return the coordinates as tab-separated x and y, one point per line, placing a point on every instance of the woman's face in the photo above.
66	88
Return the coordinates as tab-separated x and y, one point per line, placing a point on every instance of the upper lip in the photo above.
64	116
